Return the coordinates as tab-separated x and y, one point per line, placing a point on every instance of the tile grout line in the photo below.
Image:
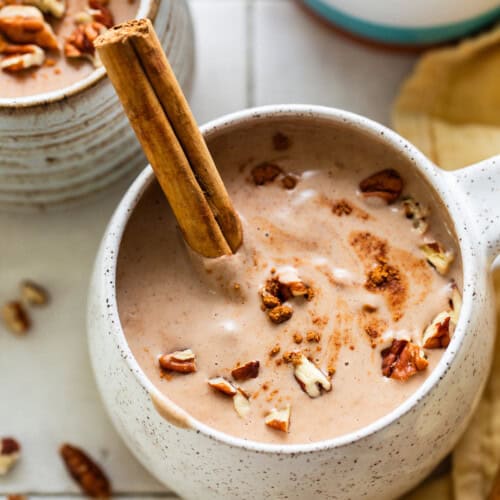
249	53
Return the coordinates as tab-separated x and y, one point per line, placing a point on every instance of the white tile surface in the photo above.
220	71
298	59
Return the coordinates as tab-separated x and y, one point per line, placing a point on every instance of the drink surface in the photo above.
317	229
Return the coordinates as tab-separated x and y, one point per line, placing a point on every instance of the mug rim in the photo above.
431	173
146	9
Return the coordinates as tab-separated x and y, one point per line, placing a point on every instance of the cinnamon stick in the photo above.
163	122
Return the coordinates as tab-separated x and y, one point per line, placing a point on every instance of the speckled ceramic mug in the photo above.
379	461
61	147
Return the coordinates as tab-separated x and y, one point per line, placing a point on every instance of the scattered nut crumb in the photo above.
87	474
297	338
313	336
274	351
15	317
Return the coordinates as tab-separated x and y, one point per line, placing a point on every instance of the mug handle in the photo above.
480	186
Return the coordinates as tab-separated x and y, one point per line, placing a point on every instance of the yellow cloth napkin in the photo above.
450	109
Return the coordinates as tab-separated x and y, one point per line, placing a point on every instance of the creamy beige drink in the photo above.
336	308
61	53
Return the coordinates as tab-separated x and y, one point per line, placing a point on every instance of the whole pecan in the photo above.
85	472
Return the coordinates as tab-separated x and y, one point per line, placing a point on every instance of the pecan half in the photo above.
279	419
80	44
179	361
438	333
56	8
10	451
246	371
386	184
15	317
402	360
241	403
87	474
25	24
310	378
33	293
222	385
439	258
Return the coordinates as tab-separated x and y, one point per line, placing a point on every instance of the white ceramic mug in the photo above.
379	461
59	147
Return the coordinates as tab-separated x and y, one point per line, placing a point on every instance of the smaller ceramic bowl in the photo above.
379	461
406	22
68	145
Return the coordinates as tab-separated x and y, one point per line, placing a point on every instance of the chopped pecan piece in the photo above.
16	497
25	24
10	451
417	213
80	44
265	172
179	361
87	474
222	385
33	293
439	258
402	360
438	333
280	314
15	317
246	371
100	14
56	8
241	402
279	419
386	184
20	57
274	351
310	378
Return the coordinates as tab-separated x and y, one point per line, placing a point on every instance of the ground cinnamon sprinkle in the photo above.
341	207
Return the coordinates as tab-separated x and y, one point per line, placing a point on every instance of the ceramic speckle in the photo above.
379	461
